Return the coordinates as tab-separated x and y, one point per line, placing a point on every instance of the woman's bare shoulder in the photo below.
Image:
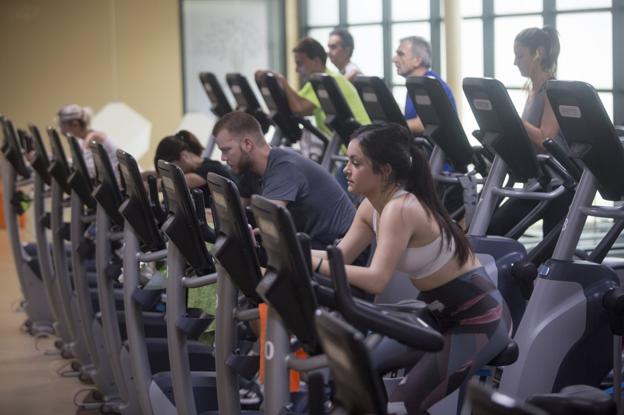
406	206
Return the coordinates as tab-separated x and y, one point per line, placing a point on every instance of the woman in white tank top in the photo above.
415	234
412	228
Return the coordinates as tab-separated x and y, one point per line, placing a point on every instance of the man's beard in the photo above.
244	165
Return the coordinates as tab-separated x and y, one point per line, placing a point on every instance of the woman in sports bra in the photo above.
415	235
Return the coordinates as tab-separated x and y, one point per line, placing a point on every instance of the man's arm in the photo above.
415	125
297	103
194	180
245	201
282	203
350	75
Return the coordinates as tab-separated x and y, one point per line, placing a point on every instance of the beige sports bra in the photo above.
422	261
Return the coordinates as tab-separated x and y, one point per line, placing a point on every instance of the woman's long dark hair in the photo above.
392	144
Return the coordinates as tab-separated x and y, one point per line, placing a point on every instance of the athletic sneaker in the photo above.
251	396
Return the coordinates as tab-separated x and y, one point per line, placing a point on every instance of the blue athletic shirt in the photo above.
410	110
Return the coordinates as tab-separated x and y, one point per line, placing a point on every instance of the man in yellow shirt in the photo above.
310	57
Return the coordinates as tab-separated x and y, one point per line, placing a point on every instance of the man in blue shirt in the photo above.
413	58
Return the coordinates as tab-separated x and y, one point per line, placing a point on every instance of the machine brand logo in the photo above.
322	93
269	350
570	111
482	104
422	99
369	97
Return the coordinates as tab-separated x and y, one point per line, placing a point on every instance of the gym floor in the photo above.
29	383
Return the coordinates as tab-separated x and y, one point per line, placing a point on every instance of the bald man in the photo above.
318	205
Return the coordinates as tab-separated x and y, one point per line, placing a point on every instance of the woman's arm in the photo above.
549	127
392	240
194	180
97	136
356	239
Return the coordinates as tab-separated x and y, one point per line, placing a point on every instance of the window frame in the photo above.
549	15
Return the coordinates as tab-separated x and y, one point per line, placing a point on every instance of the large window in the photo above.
377	27
222	36
586	31
591	33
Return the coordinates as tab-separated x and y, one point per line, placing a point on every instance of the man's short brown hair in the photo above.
239	123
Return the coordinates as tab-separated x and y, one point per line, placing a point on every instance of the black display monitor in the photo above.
378	100
12	149
79	179
279	111
136	209
501	128
246	99
219	102
590	133
286	285
106	190
182	225
339	116
59	166
359	389
440	119
40	162
235	247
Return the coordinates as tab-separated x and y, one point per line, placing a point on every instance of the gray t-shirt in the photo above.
534	110
317	204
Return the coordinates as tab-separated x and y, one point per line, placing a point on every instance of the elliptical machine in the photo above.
246	99
39	315
564	336
289	127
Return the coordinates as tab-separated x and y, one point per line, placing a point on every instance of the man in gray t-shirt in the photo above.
318	205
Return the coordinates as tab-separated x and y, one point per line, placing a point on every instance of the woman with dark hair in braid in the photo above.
416	236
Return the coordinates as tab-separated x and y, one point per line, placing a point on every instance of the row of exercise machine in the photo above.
136	341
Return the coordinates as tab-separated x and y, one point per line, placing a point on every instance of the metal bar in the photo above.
522	194
151	256
603	212
196	282
247	315
307	365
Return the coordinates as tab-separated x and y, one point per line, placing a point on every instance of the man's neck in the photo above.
420	71
259	165
342	65
320	69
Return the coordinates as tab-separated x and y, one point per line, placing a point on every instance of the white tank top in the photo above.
420	262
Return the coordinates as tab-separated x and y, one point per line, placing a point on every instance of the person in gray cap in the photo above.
75	120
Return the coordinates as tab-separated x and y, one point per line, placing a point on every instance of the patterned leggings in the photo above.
473	318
